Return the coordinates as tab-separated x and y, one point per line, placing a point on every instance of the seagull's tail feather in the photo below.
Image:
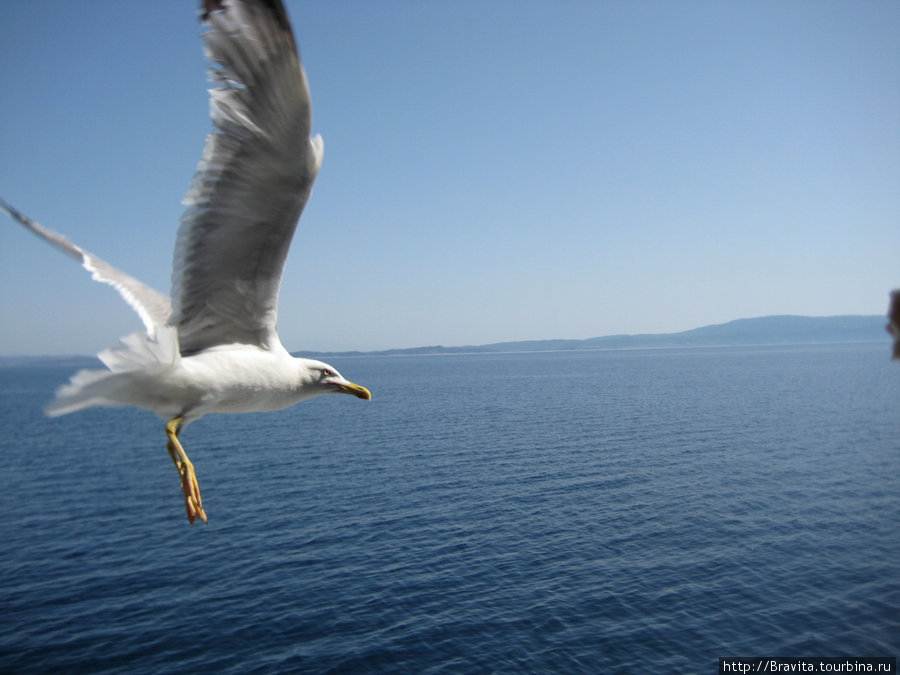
137	358
87	389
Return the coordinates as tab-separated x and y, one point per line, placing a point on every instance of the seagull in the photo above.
214	347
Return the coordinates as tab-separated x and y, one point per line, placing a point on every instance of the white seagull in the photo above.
214	348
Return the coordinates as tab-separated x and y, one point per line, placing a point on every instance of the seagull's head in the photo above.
324	379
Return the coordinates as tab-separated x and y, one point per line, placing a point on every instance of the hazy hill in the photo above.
759	331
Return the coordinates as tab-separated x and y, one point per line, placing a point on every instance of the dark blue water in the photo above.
563	512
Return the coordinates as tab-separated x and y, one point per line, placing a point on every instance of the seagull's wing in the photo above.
252	183
152	306
893	326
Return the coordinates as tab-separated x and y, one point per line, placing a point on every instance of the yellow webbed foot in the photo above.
193	503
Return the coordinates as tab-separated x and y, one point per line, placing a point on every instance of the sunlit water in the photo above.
565	512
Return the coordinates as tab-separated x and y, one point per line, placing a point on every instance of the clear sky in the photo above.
494	170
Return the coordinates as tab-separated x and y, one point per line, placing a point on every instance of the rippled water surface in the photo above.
570	512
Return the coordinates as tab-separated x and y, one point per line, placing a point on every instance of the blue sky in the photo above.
494	170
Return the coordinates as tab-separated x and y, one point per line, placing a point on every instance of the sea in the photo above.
648	510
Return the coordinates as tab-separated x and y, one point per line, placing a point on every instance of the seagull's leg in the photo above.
193	504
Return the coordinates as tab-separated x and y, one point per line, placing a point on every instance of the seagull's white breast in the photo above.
237	379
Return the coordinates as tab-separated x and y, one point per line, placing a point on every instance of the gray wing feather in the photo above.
152	306
252	183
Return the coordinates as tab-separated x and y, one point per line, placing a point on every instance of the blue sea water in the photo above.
608	511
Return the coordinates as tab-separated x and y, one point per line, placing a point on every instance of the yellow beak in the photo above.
356	390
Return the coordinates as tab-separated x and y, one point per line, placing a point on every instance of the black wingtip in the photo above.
208	6
12	211
275	7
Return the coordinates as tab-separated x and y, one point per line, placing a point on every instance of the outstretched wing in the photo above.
152	306
252	183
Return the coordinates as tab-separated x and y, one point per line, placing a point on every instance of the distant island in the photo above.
764	330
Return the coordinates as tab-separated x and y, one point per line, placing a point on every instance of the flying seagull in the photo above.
214	347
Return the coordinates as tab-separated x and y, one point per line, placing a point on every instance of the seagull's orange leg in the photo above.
193	504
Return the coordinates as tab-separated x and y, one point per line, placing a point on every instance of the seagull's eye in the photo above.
328	372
